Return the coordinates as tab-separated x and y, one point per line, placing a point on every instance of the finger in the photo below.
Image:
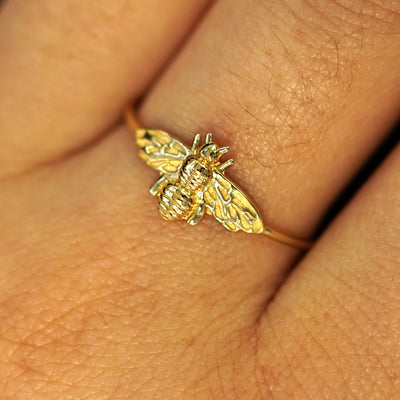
67	68
93	283
181	295
341	306
92	272
301	102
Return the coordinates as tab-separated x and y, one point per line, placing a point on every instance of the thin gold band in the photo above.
133	124
286	239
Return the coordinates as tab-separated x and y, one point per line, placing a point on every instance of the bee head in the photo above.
212	153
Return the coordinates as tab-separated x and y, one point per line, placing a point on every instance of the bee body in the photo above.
195	174
179	200
192	182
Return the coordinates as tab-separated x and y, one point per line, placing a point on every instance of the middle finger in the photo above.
294	88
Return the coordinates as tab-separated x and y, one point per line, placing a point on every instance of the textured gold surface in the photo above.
192	182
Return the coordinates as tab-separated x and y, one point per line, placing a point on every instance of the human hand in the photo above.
100	298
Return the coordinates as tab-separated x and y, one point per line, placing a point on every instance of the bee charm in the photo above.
193	182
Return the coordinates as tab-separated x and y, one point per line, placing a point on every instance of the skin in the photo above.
102	299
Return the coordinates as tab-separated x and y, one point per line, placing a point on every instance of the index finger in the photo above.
67	68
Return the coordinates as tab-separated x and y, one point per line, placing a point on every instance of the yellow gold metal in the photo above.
192	182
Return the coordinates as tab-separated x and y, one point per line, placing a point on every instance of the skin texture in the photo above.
101	299
105	46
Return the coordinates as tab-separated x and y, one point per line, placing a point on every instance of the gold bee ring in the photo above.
193	182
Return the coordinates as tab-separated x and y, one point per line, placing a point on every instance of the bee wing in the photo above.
230	206
160	150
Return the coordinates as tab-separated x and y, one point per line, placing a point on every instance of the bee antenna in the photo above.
209	138
196	141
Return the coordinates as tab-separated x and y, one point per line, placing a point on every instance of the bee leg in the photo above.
195	144
157	187
225	165
198	213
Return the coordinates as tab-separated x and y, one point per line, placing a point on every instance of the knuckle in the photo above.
305	62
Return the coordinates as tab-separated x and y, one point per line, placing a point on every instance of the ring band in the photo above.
192	182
